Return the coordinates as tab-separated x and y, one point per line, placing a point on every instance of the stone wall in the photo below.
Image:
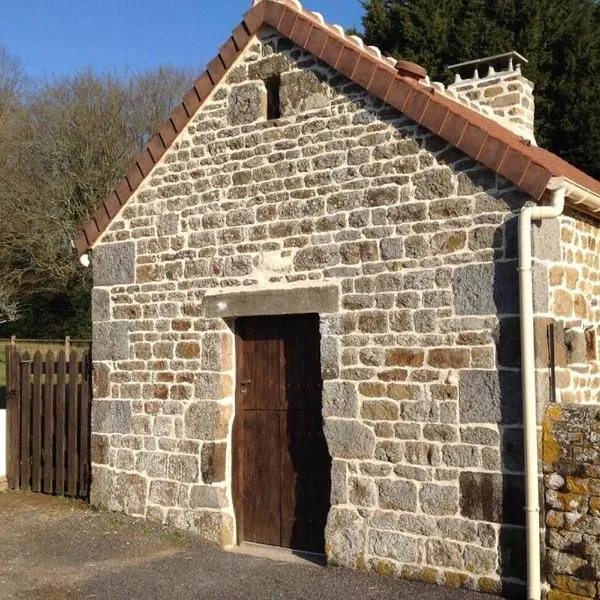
574	285
568	360
421	401
572	479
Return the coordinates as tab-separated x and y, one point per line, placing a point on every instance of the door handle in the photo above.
244	385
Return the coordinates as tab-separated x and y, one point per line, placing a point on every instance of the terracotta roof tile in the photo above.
316	41
91	231
472	140
482	138
535	179
167	132
301	31
416	104
381	82
216	69
240	37
364	71
145	162
112	205
228	52
273	13
80	242
398	94
287	22
493	152
332	50
156	148
454	127
179	118
204	86
435	116
101	217
123	191
134	176
254	18
513	166
191	102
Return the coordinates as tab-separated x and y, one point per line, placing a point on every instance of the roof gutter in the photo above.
576	195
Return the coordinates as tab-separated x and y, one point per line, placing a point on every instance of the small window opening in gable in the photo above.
273	85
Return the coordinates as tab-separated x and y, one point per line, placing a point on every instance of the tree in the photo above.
74	139
559	37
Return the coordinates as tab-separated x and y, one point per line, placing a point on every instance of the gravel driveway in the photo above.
57	549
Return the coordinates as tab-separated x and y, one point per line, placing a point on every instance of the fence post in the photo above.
4	443
67	345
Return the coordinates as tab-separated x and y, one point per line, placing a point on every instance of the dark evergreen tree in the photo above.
561	39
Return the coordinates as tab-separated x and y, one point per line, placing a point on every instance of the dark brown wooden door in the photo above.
282	480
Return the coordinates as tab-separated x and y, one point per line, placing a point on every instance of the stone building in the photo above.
306	299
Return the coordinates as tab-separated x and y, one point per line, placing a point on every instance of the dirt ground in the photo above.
59	549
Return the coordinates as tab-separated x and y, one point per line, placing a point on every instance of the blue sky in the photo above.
59	37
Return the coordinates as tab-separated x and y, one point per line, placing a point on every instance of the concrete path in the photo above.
57	549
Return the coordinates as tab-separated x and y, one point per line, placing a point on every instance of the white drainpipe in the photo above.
532	507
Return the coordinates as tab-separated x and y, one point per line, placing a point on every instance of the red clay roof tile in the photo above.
454	127
398	94
112	205
145	162
316	41
191	102
288	20
435	117
364	71
228	52
492	153
332	50
240	37
156	148
203	86
482	138
101	217
513	166
123	191
254	18
80	242
167	132
179	118
273	13
301	31
91	231
381	82
416	104
216	69
134	176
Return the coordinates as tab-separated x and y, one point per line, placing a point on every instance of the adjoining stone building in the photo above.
306	299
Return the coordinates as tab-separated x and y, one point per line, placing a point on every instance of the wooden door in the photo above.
282	477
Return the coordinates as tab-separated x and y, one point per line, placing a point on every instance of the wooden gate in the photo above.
48	402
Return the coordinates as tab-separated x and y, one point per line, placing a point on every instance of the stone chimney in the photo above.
497	82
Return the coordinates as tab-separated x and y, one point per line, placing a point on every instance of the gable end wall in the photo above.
420	363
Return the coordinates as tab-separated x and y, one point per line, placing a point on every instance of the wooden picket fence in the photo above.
48	414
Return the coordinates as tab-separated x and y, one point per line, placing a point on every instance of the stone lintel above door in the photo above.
281	301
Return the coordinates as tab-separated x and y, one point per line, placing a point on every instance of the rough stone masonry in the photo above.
421	367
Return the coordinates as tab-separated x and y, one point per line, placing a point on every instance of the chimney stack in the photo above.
497	82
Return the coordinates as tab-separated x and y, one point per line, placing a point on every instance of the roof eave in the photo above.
577	195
